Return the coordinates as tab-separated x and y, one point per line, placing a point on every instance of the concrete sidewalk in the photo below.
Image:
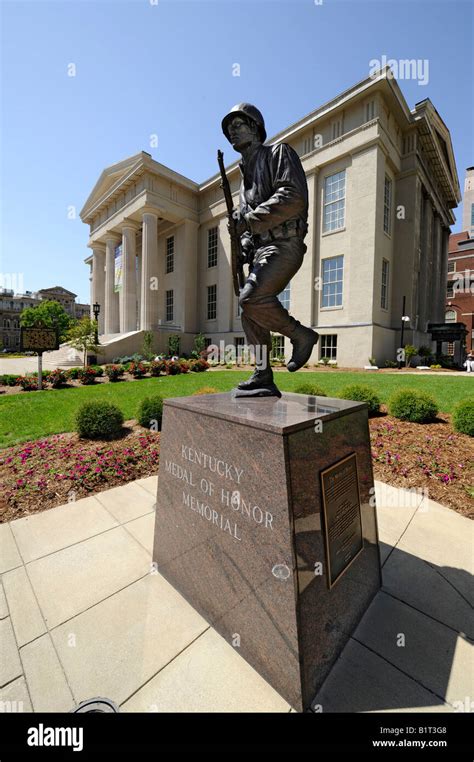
81	616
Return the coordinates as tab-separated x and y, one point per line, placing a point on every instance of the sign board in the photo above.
38	339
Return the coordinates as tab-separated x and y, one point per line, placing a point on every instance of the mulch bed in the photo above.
52	471
48	472
429	456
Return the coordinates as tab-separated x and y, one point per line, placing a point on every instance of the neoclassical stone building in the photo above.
382	183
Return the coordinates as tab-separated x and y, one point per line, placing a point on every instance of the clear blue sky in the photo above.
167	69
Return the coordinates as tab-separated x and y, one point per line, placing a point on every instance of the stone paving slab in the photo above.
362	681
75	578
10	665
25	613
142	530
434	655
127	502
199	680
43	533
9	556
3	603
150	483
15	696
122	642
49	690
446	540
422	586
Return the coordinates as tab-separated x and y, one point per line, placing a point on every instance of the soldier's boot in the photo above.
303	340
260	378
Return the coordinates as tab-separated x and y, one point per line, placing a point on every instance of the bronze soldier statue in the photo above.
272	224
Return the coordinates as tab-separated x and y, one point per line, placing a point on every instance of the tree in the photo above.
82	337
147	346
199	345
50	314
410	353
174	340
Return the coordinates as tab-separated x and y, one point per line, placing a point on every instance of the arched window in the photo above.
450	316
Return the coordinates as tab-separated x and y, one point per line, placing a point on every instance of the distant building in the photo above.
12	305
468	202
460	289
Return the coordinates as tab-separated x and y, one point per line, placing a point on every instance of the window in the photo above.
334	201
170	254
385	275
450	316
284	297
211	302
369	110
328	346
387	206
278	346
332	275
450	350
212	247
169	305
450	291
451	267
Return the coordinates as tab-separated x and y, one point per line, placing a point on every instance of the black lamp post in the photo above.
96	311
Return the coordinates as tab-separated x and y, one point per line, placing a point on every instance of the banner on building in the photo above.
118	279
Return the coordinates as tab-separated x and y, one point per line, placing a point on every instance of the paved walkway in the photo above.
81	616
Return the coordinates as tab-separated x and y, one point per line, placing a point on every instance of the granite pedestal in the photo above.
277	549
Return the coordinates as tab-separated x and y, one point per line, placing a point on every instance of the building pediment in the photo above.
110	178
57	291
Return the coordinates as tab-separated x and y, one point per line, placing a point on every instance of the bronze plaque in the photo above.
341	514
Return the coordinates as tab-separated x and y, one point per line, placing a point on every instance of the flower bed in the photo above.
426	456
52	471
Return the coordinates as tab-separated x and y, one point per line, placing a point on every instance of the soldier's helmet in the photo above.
246	110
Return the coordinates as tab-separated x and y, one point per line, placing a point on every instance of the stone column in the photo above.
149	273
112	324
128	294
98	281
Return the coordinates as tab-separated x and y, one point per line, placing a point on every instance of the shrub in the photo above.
312	389
184	366
99	371
73	372
113	372
198	366
8	379
391	364
57	378
463	417
436	366
150	412
361	393
410	405
137	369
29	383
157	367
325	360
86	376
99	420
173	367
45	374
206	390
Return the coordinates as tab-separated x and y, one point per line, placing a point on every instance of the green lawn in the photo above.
31	415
